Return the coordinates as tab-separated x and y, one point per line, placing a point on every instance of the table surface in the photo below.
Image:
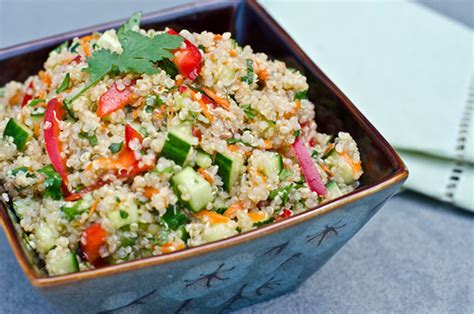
415	255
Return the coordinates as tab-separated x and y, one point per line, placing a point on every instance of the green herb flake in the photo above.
18	170
263	223
249	111
297	133
74	46
38	112
249	77
285	173
71	212
123	214
221	210
64	85
52	182
59	48
301	95
201	47
115	147
234	140
92	139
34	102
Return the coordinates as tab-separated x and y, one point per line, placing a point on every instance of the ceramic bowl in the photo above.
248	268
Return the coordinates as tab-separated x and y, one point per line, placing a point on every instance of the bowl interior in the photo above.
250	25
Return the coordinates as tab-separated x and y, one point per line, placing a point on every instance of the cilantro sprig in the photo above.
141	55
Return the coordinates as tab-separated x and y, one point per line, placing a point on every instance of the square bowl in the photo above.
247	268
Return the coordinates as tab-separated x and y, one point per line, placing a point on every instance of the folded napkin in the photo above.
409	70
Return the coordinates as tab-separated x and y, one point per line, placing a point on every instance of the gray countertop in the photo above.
415	255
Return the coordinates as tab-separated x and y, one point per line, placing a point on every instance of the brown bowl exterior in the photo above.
248	268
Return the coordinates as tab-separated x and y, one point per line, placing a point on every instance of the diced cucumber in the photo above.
193	191
174	217
203	159
178	144
229	169
124	215
45	239
64	264
218	231
273	164
20	133
333	190
341	167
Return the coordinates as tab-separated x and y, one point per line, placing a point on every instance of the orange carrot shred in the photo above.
233	209
149	191
205	175
224	103
212	217
256	216
232	53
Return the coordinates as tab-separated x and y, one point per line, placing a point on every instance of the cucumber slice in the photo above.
20	133
229	169
193	191
125	215
203	159
216	232
333	190
273	165
64	264
45	239
178	144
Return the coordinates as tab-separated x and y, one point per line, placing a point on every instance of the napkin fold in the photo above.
409	70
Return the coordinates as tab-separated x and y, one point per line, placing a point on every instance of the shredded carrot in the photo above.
231	212
202	104
233	53
329	148
179	80
261	175
224	103
233	148
262	74
37	129
84	41
327	170
205	175
16	99
172	247
91	211
149	191
41	94
217	37
256	216
45	78
212	217
268	144
295	109
356	167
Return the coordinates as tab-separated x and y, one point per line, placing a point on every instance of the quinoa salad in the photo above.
134	143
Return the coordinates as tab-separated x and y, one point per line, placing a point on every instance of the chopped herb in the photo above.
221	210
249	111
169	67
263	223
52	183
64	85
249	77
127	241
285	173
34	102
183	233
38	112
284	192
297	133
301	95
314	154
117	199
149	109
234	140
18	170
202	48
59	48
123	214
74	211
92	139
174	217
74	46
115	147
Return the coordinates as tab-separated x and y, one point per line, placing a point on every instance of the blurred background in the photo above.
408	66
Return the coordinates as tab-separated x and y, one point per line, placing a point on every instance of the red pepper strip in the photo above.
28	94
308	168
54	112
93	238
78	195
285	213
188	59
114	99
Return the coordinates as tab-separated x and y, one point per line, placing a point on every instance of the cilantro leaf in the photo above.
52	182
133	23
101	63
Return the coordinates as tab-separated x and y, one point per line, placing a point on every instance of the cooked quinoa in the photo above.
159	150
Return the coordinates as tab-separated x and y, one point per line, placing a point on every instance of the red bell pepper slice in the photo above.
54	112
28	94
71	197
114	99
188	59
308	168
93	238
